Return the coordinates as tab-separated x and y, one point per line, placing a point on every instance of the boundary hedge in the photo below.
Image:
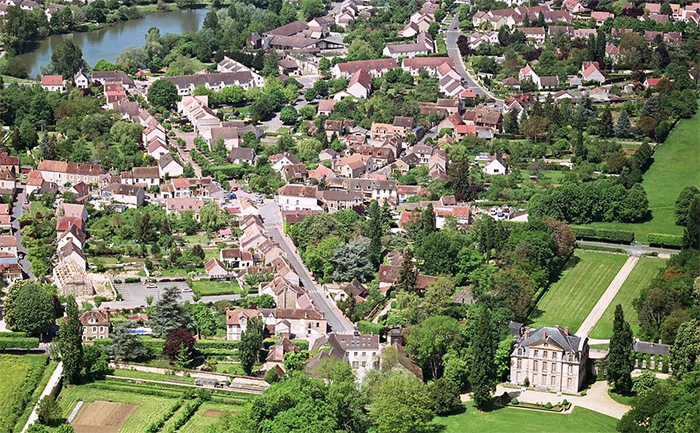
606	235
664	240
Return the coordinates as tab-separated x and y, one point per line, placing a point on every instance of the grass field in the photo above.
122	372
583	281
207	287
207	414
17	385
48	371
675	166
526	421
149	407
646	269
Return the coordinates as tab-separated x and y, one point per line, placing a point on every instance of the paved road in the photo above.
134	294
53	381
451	37
605	300
17	209
635	249
273	221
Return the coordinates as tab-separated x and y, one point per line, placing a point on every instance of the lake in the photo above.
107	43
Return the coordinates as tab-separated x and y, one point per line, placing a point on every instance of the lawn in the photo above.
196	239
209	288
646	269
150	407
525	421
675	166
48	371
122	372
584	279
208	413
21	374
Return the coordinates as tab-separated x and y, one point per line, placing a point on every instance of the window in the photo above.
534	379
364	364
544	354
520	351
354	364
94	329
537	353
569	382
534	365
544	367
553	381
519	363
554	367
571	369
554	355
102	329
355	354
517	377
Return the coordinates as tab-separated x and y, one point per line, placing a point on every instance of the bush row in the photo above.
603	249
18	343
188	411
13	334
158	423
663	240
215	344
616	236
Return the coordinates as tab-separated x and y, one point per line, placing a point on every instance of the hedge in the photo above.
157	424
189	410
616	236
664	240
132	280
215	344
13	334
19	343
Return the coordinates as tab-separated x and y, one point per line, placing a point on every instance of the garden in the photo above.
23	379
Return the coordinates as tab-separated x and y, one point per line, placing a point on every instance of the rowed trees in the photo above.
70	343
620	363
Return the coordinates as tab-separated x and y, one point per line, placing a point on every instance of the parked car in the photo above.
151	286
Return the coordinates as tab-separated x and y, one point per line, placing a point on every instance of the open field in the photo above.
674	166
21	375
207	414
103	416
526	421
207	287
643	272
583	281
148	407
48	371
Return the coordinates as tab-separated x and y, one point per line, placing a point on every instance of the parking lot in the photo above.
134	294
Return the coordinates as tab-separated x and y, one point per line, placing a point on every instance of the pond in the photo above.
107	43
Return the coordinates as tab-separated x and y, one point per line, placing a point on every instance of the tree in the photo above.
428	343
622	127
438	295
203	319
31	310
352	260
683	202
179	346
49	411
70	342
127	346
289	115
212	218
685	352
376	230
644	383
163	94
312	8
67	59
406	278
605	125
211	21
168	314
482	349
444	395
250	344
95	362
620	364
691	235
400	403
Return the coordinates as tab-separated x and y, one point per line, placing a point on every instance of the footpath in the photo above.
54	381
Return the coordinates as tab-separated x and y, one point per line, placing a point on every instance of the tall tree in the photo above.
605	125
127	346
169	315
482	374
67	59
620	364
250	345
400	403
691	236
376	229
622	127
406	279
683	202
32	308
430	341
685	352
70	342
163	94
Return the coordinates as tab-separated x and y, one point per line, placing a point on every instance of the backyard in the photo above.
525	421
569	300
674	166
646	269
210	288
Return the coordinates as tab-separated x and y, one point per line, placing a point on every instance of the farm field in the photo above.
674	166
584	279
580	420
105	416
207	414
646	269
21	375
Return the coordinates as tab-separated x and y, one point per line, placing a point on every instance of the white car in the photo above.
151	286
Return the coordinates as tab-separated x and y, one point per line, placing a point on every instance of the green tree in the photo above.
289	115
271	64
127	346
312	8
406	278
400	403
683	202
49	411
250	344
622	127
691	235
685	352
168	314
67	59
212	218
211	21
445	397
605	124
428	343
352	260
203	319
163	94
620	364
376	230
32	309
482	373
70	342
179	346
438	296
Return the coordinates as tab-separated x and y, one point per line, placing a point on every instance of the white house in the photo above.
359	85
281	160
81	80
53	83
215	269
298	197
496	166
167	165
590	72
131	196
157	149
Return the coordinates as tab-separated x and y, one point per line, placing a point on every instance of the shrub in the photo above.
583	393
18	343
664	240
618	236
48	411
271	376
526	382
514	401
548	405
565	402
130	280
117	281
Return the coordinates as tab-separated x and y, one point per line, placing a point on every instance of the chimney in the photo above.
566	330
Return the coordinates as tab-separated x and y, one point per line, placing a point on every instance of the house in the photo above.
10	270
229	65
63	223
295	172
7	182
295	323
483	118
362	352
297	197
430	64
53	83
277	351
572	6
95	325
370	189
73	236
169	166
72	210
334	200
236	258
535	35
239	155
183	204
600	17
281	159
8	244
62	173
107	77
549	358
146	177
131	196
80	80
9	163
215	269
590	72
157	149
186	84
359	85
375	68
325	106
495	166
351	166
237	322
651	82
71	252
72	279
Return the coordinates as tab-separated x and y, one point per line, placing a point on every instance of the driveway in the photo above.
634	249
134	294
17	209
451	37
